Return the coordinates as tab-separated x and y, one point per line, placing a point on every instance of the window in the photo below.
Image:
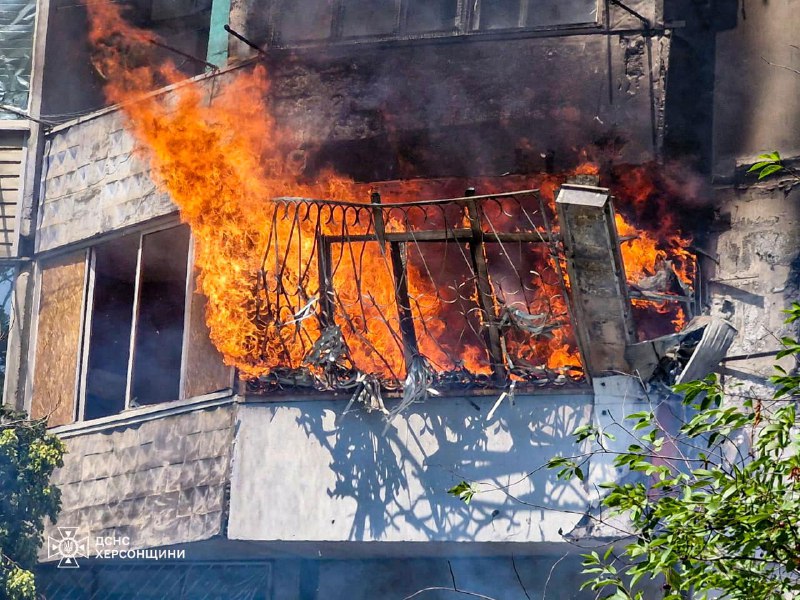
307	21
509	14
115	329
369	17
135	321
304	20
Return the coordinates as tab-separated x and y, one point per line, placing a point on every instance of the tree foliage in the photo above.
28	457
716	509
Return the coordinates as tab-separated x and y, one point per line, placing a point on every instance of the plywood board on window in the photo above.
58	338
204	370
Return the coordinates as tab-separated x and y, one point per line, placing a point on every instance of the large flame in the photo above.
223	160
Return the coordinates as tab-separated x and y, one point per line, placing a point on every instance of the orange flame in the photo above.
223	160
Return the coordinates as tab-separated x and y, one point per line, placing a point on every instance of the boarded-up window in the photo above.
11	149
58	338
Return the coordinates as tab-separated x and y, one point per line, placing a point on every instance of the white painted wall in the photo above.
303	471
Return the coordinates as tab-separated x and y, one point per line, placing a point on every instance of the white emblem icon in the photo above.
67	548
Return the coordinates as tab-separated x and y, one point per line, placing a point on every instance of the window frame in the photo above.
87	314
467	24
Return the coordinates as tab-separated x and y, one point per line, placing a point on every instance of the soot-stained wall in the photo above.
469	104
466	107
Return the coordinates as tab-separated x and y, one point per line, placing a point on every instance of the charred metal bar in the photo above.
443	235
766	354
244	40
199	61
327	310
484	286
399	259
416	203
24	115
658	297
555	246
377	218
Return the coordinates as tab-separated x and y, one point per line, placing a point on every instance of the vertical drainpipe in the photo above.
217	36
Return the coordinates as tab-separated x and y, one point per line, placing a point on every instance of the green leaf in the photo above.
464	491
769	170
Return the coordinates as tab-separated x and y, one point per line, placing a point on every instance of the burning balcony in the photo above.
454	294
418	298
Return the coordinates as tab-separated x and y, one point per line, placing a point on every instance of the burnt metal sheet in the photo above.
16	49
598	292
717	338
688	355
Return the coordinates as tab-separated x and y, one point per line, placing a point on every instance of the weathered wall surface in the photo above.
351	483
454	108
756	107
159	482
463	108
758	274
95	181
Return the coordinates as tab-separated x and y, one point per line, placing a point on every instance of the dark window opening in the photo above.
431	15
548	13
500	14
159	325
308	21
112	311
144	312
304	20
369	17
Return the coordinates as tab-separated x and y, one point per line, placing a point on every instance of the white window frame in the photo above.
87	313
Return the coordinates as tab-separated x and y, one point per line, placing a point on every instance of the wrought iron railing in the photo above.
461	292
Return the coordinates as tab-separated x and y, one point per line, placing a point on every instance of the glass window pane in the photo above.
369	17
499	14
431	15
303	20
542	13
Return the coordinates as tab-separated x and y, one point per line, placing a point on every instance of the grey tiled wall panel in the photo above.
161	482
95	181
